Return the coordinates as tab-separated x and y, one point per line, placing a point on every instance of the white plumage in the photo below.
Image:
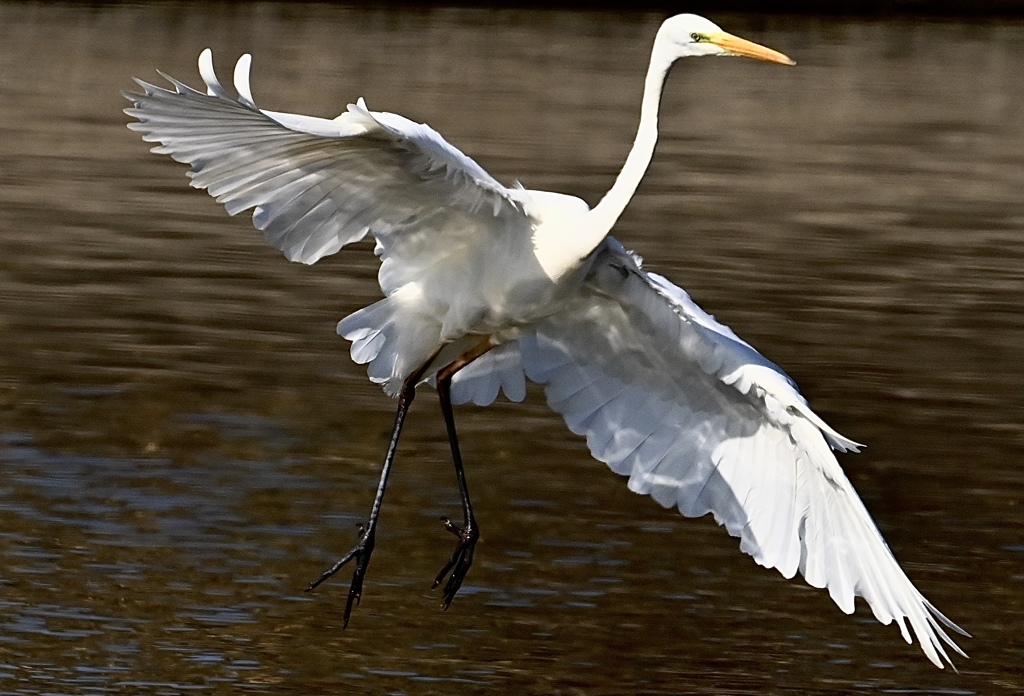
508	284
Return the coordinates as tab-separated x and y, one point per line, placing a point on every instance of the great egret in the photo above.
486	286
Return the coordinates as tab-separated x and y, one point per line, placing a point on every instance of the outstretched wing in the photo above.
700	420
318	184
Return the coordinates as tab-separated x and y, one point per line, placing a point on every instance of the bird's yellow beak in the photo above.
736	46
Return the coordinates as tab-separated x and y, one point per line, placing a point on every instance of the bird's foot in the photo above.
459	563
361	554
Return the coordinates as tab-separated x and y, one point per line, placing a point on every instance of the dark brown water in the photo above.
184	443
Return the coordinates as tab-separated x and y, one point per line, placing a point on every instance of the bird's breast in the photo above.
559	242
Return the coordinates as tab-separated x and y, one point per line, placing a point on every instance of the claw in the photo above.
457	531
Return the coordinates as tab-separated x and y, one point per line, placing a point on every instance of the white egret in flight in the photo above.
486	286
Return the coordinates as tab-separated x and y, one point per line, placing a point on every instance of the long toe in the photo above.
458	565
355	590
462	566
360	553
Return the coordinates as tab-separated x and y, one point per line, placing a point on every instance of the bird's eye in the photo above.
697	38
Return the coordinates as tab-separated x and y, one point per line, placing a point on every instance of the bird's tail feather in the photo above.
392	338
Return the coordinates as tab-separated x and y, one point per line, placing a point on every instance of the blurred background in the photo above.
184	443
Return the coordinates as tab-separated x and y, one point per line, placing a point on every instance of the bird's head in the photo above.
692	35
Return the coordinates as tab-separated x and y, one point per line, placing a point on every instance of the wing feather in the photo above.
315	184
699	420
480	382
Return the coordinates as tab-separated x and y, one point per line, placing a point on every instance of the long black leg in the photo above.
469	533
363	549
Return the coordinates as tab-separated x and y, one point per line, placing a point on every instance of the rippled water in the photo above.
184	443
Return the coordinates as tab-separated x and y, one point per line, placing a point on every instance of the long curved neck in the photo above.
605	214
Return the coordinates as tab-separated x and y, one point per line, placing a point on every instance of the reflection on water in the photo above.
184	444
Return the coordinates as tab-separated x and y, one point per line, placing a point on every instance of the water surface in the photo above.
185	444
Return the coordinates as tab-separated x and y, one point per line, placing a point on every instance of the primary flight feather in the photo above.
487	286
